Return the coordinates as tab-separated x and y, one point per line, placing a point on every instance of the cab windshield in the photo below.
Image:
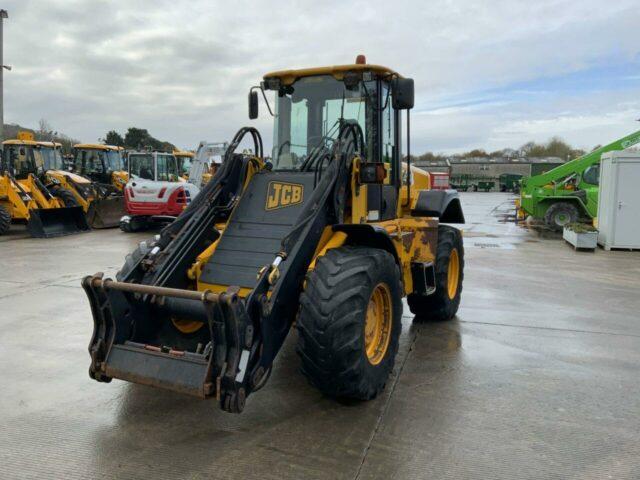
141	165
184	164
592	175
167	168
52	158
309	113
113	160
96	161
21	160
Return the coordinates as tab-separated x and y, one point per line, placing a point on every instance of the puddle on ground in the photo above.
500	228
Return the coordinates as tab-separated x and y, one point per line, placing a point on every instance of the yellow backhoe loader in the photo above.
328	235
28	194
102	166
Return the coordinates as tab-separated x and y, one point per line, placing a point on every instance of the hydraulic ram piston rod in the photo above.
206	296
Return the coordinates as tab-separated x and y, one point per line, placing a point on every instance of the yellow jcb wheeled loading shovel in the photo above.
46	215
324	235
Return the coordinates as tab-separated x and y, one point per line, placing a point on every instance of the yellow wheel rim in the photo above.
377	328
187	326
453	274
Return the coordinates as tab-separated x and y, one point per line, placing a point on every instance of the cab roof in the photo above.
182	153
97	146
287	77
31	143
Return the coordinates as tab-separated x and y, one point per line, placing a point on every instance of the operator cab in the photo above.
98	162
154	166
313	107
591	175
184	160
24	156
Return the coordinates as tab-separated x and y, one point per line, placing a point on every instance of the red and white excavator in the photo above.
155	192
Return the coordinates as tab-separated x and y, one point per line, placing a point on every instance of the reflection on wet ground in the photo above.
535	378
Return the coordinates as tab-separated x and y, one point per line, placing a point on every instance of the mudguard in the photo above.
442	204
369	236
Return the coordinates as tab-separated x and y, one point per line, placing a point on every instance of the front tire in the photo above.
350	322
67	197
444	302
560	214
5	220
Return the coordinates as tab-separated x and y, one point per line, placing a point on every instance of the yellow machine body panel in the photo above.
119	179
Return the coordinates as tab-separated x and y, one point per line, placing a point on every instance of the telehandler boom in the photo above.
325	236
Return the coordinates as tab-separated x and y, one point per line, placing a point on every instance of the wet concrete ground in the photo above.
538	377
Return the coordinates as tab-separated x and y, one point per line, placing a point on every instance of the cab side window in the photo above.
592	175
388	126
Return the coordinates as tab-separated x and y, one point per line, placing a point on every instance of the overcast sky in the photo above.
490	74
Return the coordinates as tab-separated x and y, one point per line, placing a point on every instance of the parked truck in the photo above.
569	192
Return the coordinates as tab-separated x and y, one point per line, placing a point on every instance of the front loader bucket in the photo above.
106	212
134	339
54	222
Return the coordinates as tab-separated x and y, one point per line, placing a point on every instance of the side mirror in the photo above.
253	104
402	91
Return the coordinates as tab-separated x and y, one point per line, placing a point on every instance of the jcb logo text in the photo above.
281	195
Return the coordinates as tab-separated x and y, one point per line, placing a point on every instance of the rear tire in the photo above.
67	197
444	302
5	220
560	214
350	322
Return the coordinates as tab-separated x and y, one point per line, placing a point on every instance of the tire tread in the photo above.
330	325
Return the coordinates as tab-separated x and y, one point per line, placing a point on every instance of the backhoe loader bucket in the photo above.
55	222
106	212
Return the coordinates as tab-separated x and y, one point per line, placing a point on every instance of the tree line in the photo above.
555	147
137	138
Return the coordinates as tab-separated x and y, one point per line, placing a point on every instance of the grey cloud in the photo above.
183	68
